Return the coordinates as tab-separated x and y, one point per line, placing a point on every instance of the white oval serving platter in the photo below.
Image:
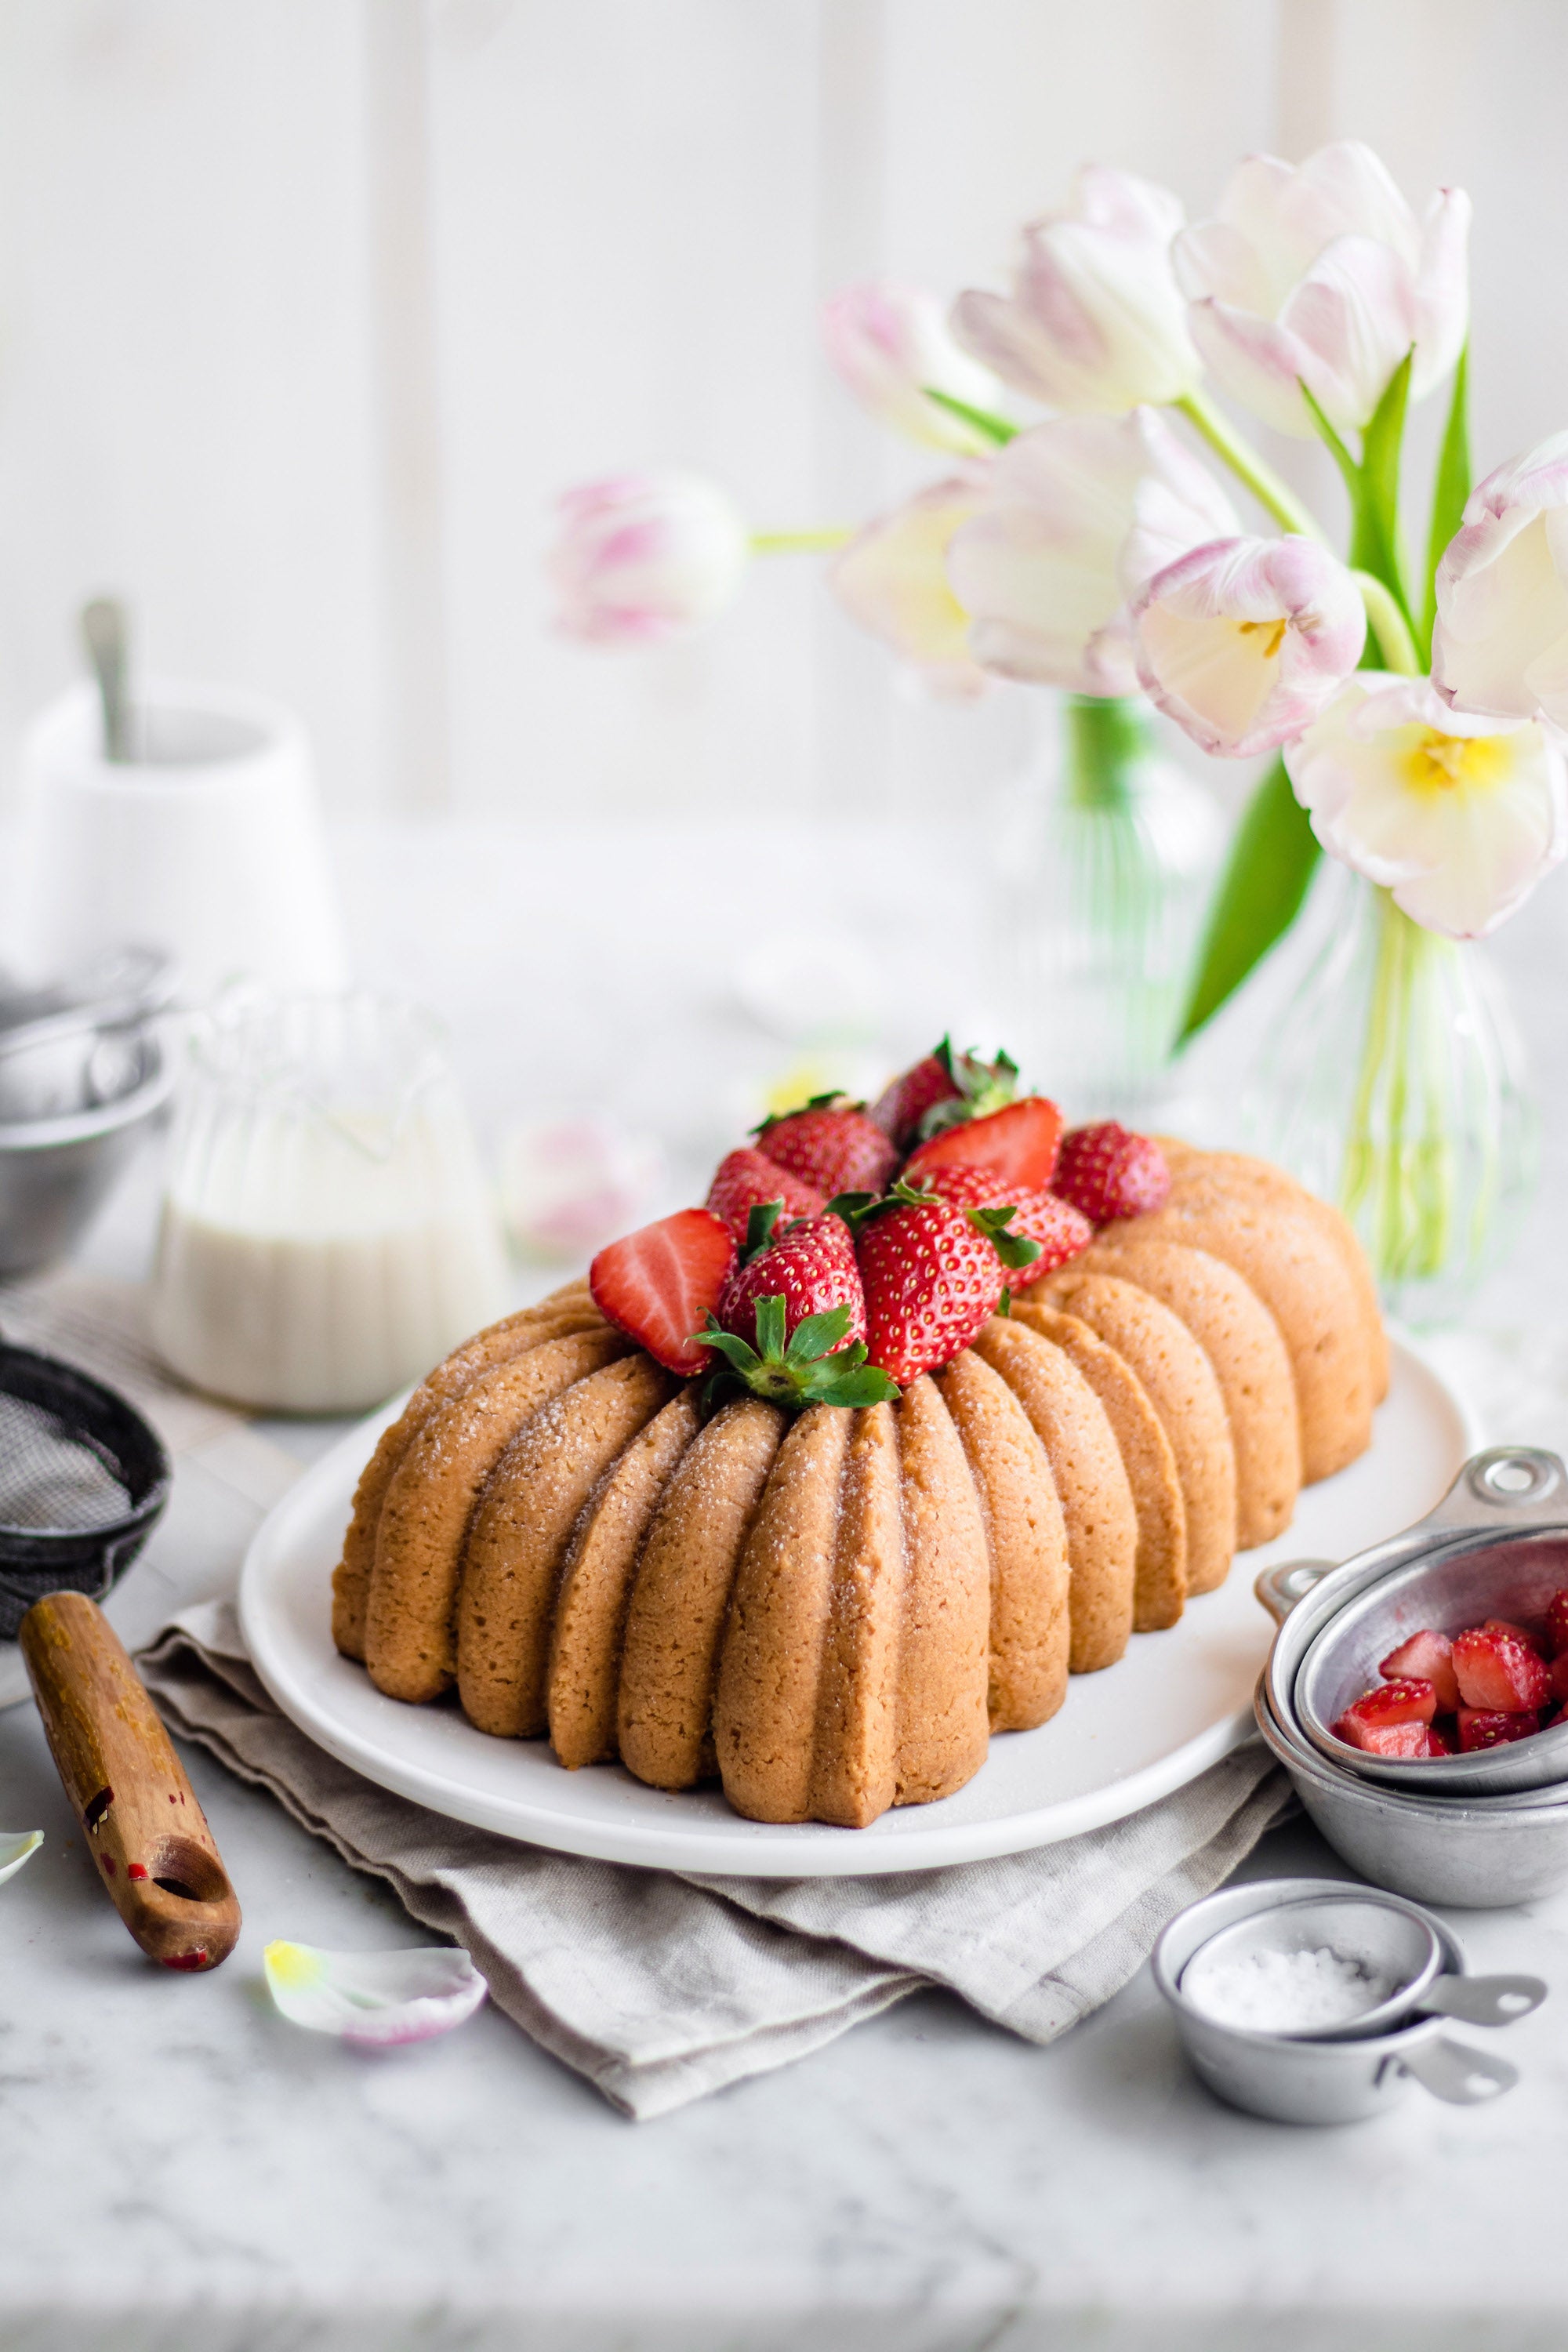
1174	1705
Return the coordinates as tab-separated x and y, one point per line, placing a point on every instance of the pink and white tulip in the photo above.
1095	322
1078	513
1323	273
1501	639
892	579
1457	816
892	347
641	557
1245	640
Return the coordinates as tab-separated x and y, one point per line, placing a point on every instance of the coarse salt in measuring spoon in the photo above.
1287	1992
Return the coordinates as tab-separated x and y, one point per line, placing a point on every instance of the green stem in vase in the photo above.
1398	1181
1104	737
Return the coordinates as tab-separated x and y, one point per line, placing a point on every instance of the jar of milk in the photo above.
328	1234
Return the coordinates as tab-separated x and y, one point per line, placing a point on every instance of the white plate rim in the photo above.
749	1849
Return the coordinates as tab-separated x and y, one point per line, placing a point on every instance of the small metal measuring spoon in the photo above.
1391	1943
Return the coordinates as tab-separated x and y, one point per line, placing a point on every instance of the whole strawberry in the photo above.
811	1265
943	1090
744	1179
791	1319
833	1144
1107	1172
1060	1230
932	1276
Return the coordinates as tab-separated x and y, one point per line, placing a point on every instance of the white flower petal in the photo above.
641	557
17	1846
892	579
374	1999
1244	641
1458	818
1321	272
890	344
1501	639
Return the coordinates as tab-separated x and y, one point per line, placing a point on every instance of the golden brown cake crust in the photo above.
855	1734
410	1648
765	1711
1160	1570
1027	1540
1091	1482
681	1596
517	1539
565	1311
597	1585
1242	1342
943	1664
1180	1383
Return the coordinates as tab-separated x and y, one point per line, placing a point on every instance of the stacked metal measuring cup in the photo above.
1478	1831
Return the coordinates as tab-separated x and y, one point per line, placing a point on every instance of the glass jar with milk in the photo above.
328	1234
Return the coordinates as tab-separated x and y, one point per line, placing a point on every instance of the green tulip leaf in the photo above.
1449	492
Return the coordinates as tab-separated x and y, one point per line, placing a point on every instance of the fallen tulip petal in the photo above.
15	1847
374	2000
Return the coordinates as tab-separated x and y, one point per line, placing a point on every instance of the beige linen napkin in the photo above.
660	1987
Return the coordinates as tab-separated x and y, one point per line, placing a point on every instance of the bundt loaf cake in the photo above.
828	1596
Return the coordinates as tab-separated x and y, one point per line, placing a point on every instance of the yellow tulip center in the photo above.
1435	762
1273	639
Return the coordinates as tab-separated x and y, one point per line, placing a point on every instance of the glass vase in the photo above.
1105	852
1395	1085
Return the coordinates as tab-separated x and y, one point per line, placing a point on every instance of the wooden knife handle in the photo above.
144	1830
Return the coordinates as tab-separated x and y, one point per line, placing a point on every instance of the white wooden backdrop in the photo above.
307	306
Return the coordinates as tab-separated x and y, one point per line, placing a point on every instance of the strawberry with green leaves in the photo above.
932	1274
1061	1231
791	1319
830	1144
944	1090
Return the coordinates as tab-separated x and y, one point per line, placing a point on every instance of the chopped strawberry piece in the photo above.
1107	1172
1403	1739
1018	1145
1520	1633
1498	1672
1486	1727
1557	1623
1431	1656
1390	1707
660	1284
746	1180
1442	1736
1557	1674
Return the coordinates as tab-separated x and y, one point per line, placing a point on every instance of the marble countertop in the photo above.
181	2167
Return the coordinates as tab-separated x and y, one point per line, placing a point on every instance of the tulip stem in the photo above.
1389	626
801	542
1249	467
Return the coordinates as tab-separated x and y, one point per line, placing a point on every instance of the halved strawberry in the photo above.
661	1283
1061	1230
931	1278
1108	1171
1484	1726
832	1145
943	1090
1431	1656
1410	1703
745	1180
1498	1672
1557	1623
1017	1145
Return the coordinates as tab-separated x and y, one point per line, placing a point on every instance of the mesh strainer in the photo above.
82	1480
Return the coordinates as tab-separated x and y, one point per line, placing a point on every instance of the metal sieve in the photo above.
82	1481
